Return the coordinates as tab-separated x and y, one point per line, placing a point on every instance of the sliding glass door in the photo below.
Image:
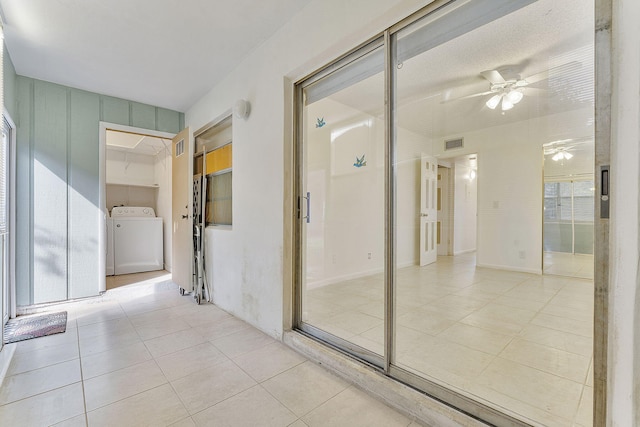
342	206
433	134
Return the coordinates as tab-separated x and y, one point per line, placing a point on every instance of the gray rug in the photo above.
34	326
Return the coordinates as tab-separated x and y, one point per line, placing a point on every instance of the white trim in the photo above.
466	251
12	215
357	275
102	197
537	271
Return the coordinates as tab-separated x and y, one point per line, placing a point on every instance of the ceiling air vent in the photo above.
453	144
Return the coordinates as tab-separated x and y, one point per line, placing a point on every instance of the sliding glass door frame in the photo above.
388	40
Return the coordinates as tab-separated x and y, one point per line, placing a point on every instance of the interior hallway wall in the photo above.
509	180
59	216
247	263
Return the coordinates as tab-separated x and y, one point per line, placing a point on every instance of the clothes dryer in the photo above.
137	240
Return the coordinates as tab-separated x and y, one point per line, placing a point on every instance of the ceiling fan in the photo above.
507	89
561	149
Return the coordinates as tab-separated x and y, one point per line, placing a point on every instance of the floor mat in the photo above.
34	326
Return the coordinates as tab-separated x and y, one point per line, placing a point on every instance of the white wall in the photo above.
162	173
465	209
246	263
509	180
623	394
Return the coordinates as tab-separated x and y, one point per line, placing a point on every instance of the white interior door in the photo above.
443	232
428	209
182	211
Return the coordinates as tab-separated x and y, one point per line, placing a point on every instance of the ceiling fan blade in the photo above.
567	68
474	95
493	76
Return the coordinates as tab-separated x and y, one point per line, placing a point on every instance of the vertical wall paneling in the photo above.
84	186
115	110
143	116
24	217
9	81
59	215
167	120
50	193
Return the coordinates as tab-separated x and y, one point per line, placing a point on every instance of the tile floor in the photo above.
519	342
578	265
145	356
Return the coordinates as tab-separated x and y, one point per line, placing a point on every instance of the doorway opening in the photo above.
136	200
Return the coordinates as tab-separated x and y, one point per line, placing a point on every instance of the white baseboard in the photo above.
357	275
466	251
537	271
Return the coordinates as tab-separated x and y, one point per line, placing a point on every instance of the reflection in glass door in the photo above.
343	204
482	87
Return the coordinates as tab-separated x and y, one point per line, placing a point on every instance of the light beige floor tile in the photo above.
298	423
354	408
163	314
171	343
108	311
184	362
100	343
115	326
70	337
561	340
425	322
584	314
525	304
187	422
477	338
545	391
156	407
265	410
209	386
37	381
558	362
112	360
109	388
202	317
23	362
584	417
367	344
79	421
304	387
242	342
589	381
44	409
268	361
448	358
213	331
148	331
354	322
578	327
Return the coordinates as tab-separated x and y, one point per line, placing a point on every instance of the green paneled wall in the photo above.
9	80
59	216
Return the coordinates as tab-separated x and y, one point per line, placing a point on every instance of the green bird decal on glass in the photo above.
360	162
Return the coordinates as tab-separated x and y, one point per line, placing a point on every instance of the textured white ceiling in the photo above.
546	35
167	53
138	144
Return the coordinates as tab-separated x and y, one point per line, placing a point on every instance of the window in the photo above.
215	141
219	191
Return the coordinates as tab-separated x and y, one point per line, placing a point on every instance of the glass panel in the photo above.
484	322
343	173
219	199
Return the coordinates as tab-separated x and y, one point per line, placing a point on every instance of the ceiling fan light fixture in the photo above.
567	155
515	96
494	101
557	156
506	104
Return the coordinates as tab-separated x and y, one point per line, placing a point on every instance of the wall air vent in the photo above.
452	144
180	148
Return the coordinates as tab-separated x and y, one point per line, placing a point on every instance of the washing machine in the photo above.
137	240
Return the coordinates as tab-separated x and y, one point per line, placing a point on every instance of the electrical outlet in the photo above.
522	254
369	255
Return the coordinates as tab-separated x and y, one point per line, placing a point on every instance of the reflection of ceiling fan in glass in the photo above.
561	149
507	90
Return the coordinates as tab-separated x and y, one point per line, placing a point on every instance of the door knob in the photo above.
424	214
185	216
